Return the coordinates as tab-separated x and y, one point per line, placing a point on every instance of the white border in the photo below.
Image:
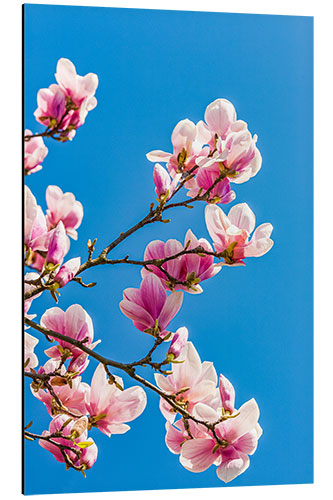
10	38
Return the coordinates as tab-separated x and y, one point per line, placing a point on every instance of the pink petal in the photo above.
137	314
174	266
233	468
242	217
54	319
158	156
196	454
171	307
247	443
260	242
173	438
219	115
153	295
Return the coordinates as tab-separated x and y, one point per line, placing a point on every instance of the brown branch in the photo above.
144	263
129	368
154	215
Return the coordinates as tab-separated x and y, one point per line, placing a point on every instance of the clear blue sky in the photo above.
156	68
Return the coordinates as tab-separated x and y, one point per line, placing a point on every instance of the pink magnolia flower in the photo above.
149	305
88	455
186	148
178	342
75	322
192	381
34	153
109	407
231	233
66	105
238	437
67	271
229	141
165	186
80	89
30	358
51	107
192	268
243	155
36	236
63	207
58	245
71	397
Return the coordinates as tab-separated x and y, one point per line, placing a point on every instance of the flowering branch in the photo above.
207	157
129	368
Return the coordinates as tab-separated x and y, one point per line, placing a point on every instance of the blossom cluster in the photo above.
100	404
46	236
62	108
203	425
213	153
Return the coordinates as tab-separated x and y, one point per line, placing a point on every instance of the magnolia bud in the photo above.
80	426
178	341
58	245
227	393
67	272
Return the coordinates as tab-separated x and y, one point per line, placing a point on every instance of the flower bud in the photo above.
58	245
80	426
165	186
78	364
227	393
67	272
178	342
89	455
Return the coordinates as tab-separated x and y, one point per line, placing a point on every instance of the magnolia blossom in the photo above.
186	148
237	438
243	158
65	208
192	381
231	144
79	89
75	322
34	153
30	358
87	451
189	268
109	407
65	105
236	435
71	395
165	186
231	233
36	236
67	271
149	307
51	107
58	245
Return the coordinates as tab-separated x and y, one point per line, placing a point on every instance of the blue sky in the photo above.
255	323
